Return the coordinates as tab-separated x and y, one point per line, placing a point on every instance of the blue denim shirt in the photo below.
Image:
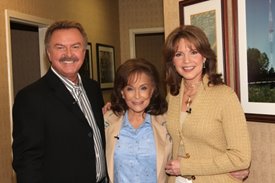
135	153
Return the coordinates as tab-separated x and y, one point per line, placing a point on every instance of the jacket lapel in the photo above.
62	93
160	138
96	101
174	109
111	131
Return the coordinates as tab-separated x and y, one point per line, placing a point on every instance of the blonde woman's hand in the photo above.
173	167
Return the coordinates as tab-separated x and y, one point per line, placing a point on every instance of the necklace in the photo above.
190	90
188	103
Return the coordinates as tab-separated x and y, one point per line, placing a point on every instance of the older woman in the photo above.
138	145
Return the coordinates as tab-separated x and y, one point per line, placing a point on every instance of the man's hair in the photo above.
64	24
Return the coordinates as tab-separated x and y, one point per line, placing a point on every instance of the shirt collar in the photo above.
68	83
126	122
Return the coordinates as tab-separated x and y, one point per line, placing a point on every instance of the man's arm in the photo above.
28	141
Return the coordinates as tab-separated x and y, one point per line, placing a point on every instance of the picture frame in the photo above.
256	92
105	65
86	68
211	17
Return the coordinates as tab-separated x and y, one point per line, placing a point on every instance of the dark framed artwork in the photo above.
255	58
86	69
105	65
211	17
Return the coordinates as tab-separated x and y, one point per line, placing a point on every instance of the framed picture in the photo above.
211	17
255	53
105	65
86	69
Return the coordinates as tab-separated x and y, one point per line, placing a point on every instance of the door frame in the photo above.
134	32
42	25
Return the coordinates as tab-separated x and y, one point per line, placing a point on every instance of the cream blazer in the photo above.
162	139
215	134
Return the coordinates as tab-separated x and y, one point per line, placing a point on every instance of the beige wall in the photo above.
99	18
262	134
137	14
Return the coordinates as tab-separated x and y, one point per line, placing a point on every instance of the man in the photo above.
58	128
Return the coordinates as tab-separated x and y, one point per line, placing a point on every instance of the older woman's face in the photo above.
138	92
188	62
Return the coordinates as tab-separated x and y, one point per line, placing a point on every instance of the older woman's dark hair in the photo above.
158	103
195	36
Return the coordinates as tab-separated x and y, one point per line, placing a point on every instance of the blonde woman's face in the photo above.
188	62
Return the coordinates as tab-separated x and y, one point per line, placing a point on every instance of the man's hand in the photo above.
106	107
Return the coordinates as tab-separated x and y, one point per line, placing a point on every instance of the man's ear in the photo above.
48	54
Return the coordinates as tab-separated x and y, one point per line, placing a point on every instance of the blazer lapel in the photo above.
160	136
111	132
63	94
174	109
96	101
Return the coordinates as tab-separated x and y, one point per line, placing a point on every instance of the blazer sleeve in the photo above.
28	138
238	152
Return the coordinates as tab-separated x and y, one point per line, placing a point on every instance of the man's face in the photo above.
66	52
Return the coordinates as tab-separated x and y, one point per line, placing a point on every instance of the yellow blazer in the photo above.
215	134
162	139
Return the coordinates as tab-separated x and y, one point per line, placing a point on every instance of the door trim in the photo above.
18	17
134	32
